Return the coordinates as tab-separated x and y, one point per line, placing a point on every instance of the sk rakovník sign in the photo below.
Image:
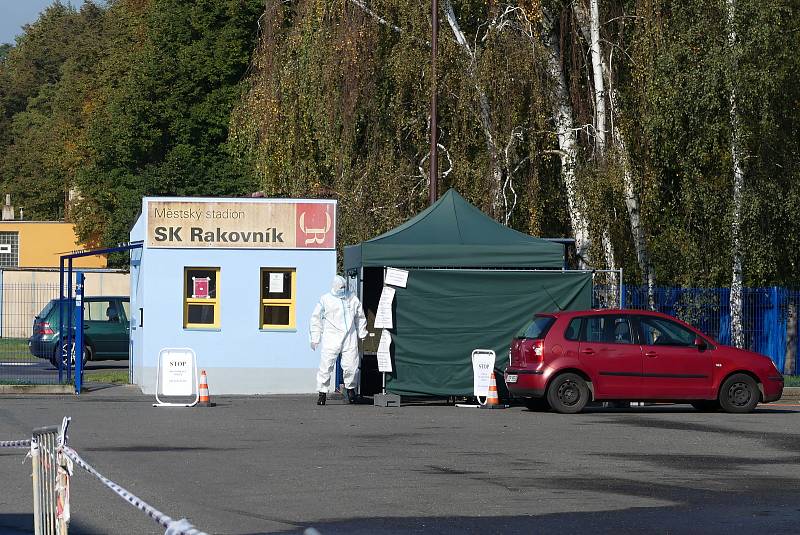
241	225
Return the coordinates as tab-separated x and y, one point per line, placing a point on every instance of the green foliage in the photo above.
44	82
684	69
123	101
339	106
162	126
315	98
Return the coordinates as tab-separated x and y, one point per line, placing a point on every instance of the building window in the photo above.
9	249
201	298
278	291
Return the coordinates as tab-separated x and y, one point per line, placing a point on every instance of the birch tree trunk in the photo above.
497	171
611	263
791	338
597	71
600	112
567	144
737	158
630	196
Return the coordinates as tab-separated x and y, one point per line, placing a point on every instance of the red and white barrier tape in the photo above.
173	527
15	443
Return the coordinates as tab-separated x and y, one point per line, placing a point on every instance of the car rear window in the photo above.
537	327
47	308
51	309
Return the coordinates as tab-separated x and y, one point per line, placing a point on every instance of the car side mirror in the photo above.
700	344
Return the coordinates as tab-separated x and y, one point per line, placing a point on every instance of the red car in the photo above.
567	359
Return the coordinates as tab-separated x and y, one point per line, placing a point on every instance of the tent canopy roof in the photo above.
454	233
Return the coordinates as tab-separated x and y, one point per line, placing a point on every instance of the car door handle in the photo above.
85	327
587	351
650	354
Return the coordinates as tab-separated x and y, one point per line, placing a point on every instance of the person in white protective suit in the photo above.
337	323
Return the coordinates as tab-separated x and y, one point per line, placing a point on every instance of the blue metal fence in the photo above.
765	312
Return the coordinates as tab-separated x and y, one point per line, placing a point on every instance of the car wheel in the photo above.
706	405
568	393
739	394
86	356
537	404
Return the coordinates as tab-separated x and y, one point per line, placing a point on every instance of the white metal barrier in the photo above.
52	464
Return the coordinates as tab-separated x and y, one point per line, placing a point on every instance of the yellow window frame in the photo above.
291	302
214	301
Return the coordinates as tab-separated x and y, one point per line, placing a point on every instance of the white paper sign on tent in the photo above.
383	316
482	367
396	277
384	352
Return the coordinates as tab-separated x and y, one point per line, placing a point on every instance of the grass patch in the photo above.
16	382
115	377
13	345
791	380
15	350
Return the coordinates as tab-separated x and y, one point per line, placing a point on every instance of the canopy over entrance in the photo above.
454	233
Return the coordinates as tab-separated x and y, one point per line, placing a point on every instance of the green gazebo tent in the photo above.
473	283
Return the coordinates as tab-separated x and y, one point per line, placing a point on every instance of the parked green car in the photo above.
106	329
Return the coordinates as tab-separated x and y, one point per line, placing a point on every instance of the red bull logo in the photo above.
316	225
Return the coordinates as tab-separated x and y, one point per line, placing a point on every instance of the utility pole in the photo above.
434	174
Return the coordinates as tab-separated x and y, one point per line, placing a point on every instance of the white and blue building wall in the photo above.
239	356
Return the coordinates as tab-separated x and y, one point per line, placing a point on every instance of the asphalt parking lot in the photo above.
280	464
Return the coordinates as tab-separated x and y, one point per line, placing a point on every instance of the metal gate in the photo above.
608	291
71	317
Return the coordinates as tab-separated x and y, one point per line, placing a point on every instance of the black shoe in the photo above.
351	396
321	398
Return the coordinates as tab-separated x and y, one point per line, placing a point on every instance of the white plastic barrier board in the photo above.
177	378
482	366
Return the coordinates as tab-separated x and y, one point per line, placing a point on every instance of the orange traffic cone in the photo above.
205	399
493	400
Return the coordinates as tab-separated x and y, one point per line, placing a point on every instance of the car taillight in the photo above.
537	352
527	352
44	328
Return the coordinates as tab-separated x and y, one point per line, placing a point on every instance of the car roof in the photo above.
97	297
607	311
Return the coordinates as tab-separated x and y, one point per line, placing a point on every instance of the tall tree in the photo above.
567	139
737	160
172	78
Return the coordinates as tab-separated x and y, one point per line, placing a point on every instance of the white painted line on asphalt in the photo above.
20	363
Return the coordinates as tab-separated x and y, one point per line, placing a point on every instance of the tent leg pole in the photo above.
383	399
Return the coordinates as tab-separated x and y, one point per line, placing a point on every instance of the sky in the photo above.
15	13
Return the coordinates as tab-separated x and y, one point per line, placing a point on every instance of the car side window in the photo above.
662	332
126	307
100	311
573	331
622	332
595	329
608	330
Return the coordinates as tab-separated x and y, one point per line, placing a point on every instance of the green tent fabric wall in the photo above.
454	233
443	315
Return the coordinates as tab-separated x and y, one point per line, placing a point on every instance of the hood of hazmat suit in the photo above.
338	287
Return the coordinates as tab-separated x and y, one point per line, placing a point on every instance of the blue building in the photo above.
235	280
